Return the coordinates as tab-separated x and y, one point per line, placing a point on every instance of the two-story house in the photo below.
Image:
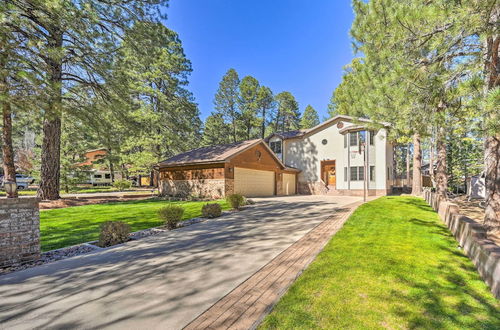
333	158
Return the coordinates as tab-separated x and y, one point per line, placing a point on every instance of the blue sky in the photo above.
297	46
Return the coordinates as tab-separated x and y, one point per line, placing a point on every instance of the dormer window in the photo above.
275	146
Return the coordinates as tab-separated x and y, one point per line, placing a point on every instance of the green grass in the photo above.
393	265
73	225
76	190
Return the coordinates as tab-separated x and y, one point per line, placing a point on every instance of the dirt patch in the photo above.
472	209
69	202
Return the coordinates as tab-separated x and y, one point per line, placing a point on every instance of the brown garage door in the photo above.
253	183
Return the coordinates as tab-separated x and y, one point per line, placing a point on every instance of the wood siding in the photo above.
192	174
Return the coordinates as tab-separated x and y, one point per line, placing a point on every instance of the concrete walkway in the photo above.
164	281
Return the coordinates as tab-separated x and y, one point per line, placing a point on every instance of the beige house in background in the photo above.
325	159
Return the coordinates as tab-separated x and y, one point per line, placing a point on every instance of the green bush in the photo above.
236	201
212	210
121	185
171	215
113	232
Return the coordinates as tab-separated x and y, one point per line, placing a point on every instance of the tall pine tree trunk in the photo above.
441	178
51	145
263	128
408	160
416	188
9	168
492	140
431	161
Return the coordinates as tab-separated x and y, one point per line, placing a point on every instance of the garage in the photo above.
289	184
249	168
253	183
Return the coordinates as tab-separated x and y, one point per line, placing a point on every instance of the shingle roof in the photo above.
211	154
303	132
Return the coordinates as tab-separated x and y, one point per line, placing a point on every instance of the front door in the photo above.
329	173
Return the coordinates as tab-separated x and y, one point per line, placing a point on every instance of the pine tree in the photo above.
309	118
249	88
288	115
72	44
265	104
216	130
226	101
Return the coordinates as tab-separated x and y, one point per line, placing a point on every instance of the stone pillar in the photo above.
19	231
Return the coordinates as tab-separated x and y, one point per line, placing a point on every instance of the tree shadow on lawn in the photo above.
432	224
451	298
417	202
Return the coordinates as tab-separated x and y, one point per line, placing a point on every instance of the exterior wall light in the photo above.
10	189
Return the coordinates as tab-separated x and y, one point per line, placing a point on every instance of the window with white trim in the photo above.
353	138
275	146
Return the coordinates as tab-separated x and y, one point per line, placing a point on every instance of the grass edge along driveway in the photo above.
79	224
393	265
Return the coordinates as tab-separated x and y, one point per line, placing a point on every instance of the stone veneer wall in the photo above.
205	188
471	236
19	231
312	188
318	188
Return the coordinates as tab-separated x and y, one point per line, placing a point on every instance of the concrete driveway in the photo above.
163	281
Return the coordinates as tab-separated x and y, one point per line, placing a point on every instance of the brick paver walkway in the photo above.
247	304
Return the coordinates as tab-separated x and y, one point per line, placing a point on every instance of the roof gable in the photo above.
303	133
215	154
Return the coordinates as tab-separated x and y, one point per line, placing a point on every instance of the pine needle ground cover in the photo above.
393	265
74	225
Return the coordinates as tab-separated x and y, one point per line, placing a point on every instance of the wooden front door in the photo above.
329	173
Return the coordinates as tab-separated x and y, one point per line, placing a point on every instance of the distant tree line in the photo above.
244	109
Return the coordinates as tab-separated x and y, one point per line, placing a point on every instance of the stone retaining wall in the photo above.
19	231
471	236
204	188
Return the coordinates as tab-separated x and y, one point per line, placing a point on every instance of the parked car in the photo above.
23	181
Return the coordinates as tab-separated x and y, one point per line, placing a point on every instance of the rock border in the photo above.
471	236
91	247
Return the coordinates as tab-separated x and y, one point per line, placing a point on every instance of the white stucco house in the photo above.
326	159
330	157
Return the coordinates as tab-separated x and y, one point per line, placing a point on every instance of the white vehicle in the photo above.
101	178
23	181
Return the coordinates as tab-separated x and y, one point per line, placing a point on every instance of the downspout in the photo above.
348	161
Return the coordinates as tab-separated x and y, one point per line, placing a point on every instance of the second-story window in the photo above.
275	146
353	139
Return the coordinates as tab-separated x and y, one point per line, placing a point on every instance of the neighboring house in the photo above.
249	168
98	172
325	159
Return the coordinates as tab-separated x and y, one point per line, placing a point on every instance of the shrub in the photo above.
171	215
121	185
113	232
212	210
236	201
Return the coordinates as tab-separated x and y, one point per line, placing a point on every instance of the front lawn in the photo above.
73	225
393	265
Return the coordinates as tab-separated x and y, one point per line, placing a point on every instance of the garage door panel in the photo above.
289	184
253	183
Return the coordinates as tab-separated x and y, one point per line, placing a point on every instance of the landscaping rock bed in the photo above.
89	247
